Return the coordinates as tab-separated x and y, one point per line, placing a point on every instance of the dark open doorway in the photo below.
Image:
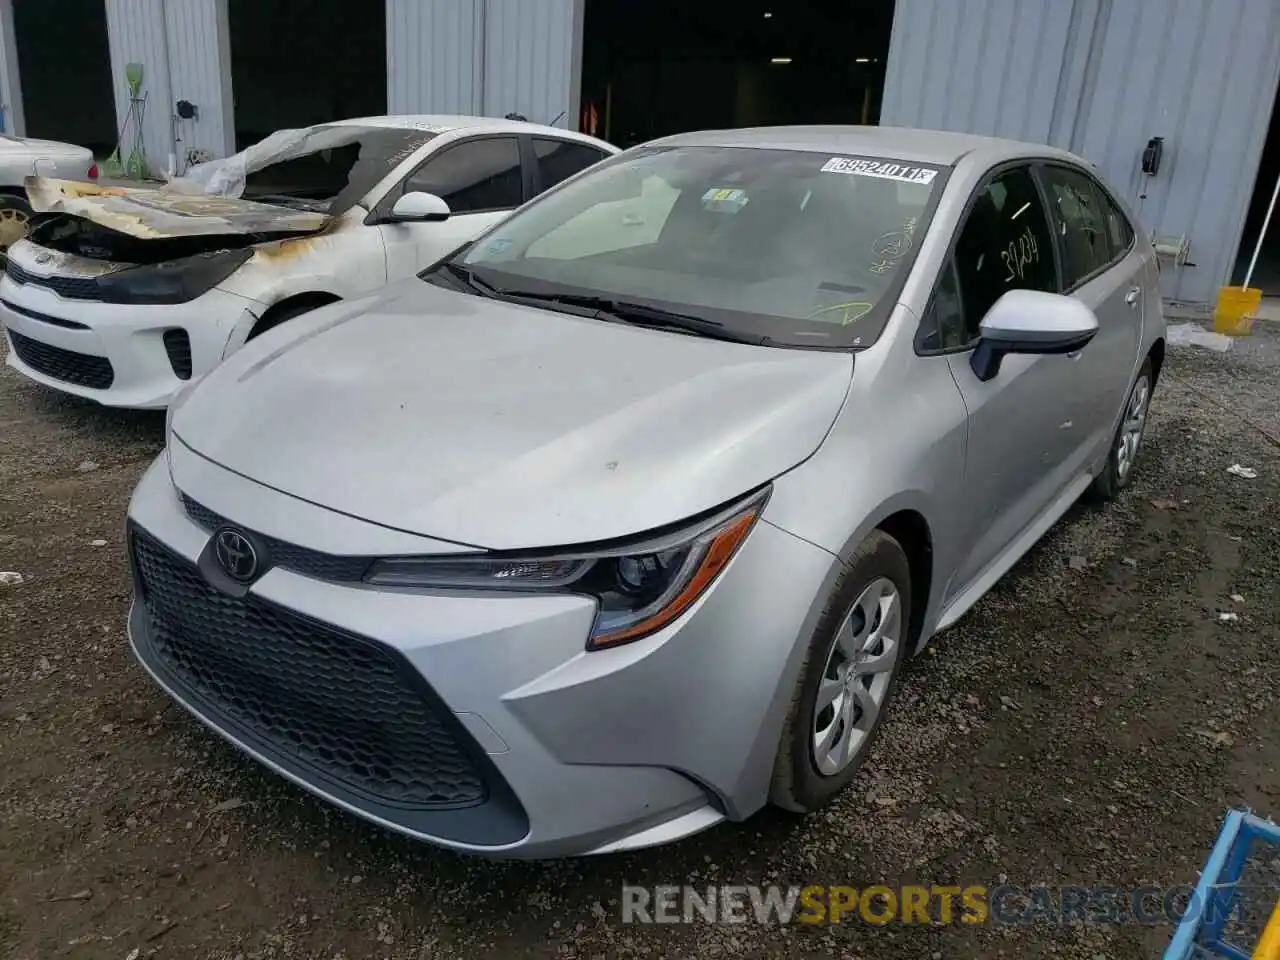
1266	275
64	67
656	67
295	64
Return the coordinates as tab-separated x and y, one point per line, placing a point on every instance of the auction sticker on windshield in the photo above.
881	169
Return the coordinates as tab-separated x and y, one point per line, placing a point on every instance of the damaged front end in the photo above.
137	246
170	244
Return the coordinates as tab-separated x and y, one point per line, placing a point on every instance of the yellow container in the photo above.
1234	312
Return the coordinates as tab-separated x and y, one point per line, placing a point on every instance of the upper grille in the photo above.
280	553
81	369
73	288
317	700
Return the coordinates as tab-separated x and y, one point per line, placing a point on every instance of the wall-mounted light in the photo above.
768	15
780	60
862	60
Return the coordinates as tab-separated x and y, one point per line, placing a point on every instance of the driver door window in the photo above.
475	176
1005	244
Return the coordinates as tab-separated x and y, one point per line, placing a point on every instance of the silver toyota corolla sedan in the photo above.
622	520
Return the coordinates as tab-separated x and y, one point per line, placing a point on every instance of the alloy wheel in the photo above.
1132	427
857	678
13	226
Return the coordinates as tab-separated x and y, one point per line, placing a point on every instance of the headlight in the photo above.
640	588
173	281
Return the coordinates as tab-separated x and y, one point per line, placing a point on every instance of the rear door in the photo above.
482	179
1022	434
553	161
1102	267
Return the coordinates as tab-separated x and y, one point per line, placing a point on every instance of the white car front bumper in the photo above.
117	354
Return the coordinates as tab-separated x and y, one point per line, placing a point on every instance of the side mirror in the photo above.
1031	321
419	207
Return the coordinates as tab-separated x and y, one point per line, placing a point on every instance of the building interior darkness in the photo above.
291	71
656	67
1266	276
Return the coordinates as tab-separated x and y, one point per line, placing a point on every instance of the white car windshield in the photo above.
794	247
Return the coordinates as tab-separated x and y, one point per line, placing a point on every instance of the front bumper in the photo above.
576	752
113	353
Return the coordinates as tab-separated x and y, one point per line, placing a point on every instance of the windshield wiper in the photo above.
638	314
468	277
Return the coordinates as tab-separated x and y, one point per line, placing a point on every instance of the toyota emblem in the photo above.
236	555
43	257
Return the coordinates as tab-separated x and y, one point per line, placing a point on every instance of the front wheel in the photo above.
15	220
1127	443
848	678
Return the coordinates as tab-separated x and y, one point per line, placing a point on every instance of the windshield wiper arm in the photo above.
469	278
639	314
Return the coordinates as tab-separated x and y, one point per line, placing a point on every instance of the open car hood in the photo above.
149	213
207	200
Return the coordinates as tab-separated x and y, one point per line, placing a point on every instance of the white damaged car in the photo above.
122	294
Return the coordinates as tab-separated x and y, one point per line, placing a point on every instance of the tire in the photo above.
806	777
1121	462
273	318
15	219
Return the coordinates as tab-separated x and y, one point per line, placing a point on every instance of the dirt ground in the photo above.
1089	722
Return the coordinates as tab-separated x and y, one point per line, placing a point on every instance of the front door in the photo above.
1024	436
481	180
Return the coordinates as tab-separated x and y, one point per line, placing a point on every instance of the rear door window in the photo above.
560	159
1080	219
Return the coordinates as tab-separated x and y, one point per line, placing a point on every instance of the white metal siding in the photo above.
487	57
1100	77
200	66
1202	74
10	85
979	66
434	61
529	58
135	33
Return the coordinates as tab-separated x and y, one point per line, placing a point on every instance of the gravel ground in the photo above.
1089	722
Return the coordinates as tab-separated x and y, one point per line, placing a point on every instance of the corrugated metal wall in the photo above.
135	33
434	56
10	85
488	57
1202	74
1100	77
529	57
982	66
200	71
184	49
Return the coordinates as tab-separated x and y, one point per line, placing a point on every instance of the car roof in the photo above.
941	147
447	123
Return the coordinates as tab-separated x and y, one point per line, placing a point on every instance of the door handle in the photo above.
1131	298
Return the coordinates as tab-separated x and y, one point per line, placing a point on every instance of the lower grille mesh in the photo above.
82	369
319	699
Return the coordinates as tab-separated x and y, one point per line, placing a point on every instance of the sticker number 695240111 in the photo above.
1022	252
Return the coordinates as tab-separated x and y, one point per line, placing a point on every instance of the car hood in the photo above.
149	213
502	426
27	146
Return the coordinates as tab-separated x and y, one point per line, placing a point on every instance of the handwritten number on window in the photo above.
1022	252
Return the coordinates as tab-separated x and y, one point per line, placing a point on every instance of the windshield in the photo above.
325	169
800	248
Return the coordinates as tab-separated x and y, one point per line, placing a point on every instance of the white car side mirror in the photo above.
420	207
1031	321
